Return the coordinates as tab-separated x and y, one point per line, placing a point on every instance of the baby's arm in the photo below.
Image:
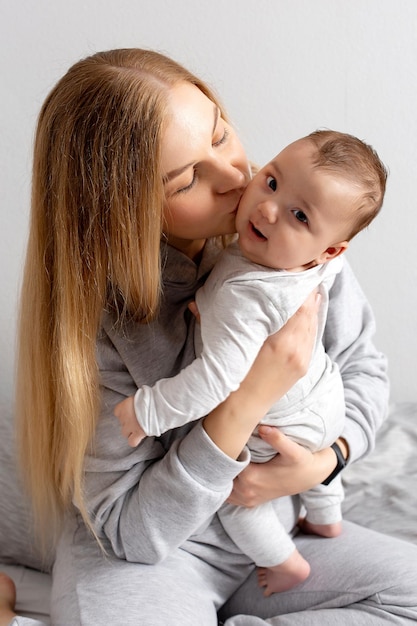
230	346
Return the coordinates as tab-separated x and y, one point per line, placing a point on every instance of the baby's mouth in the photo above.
257	232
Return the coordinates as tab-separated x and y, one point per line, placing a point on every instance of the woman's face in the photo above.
205	170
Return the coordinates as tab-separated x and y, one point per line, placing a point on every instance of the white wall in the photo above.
283	68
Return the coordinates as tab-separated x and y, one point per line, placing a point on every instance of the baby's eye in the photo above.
272	183
300	216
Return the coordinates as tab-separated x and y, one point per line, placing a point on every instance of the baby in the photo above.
294	222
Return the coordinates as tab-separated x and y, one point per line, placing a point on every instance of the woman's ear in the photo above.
332	252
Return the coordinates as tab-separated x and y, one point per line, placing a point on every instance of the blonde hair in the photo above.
94	240
358	161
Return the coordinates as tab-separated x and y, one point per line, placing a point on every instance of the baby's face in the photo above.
292	212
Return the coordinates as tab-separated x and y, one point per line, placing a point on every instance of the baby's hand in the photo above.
131	429
194	310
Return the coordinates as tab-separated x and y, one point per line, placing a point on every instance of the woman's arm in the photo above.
348	340
282	361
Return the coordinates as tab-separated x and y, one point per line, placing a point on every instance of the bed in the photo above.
380	494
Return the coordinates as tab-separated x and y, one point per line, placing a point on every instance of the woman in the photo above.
132	150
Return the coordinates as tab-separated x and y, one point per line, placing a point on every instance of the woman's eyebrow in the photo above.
174	173
216	118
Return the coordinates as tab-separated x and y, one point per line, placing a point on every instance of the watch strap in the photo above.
341	464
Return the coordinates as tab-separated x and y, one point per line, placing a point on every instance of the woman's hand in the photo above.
293	470
282	360
285	356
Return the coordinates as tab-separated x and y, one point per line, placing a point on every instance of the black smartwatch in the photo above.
341	464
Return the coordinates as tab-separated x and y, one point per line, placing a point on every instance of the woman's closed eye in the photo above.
190	185
222	140
215	144
300	216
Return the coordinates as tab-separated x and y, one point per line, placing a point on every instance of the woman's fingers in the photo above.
289	451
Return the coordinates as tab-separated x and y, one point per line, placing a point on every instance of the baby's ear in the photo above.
332	252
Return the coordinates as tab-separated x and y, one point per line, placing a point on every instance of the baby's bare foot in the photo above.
285	576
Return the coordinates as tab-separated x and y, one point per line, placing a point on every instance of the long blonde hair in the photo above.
95	229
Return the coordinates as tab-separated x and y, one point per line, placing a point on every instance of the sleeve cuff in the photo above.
355	437
206	463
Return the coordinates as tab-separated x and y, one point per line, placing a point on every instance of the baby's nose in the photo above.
269	210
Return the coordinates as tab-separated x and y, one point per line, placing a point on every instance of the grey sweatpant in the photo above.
362	578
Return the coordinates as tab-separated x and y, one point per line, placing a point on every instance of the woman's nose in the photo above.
232	177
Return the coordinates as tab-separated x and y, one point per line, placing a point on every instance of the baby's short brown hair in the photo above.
356	160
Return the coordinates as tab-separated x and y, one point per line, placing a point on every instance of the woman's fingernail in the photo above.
264	429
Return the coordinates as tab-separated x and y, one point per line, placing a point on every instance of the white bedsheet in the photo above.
381	490
381	493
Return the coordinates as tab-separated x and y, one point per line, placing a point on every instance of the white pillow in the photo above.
17	540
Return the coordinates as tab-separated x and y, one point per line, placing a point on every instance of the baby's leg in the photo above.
324	512
7	599
295	569
323	530
284	576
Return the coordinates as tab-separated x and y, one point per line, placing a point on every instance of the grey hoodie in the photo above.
147	501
